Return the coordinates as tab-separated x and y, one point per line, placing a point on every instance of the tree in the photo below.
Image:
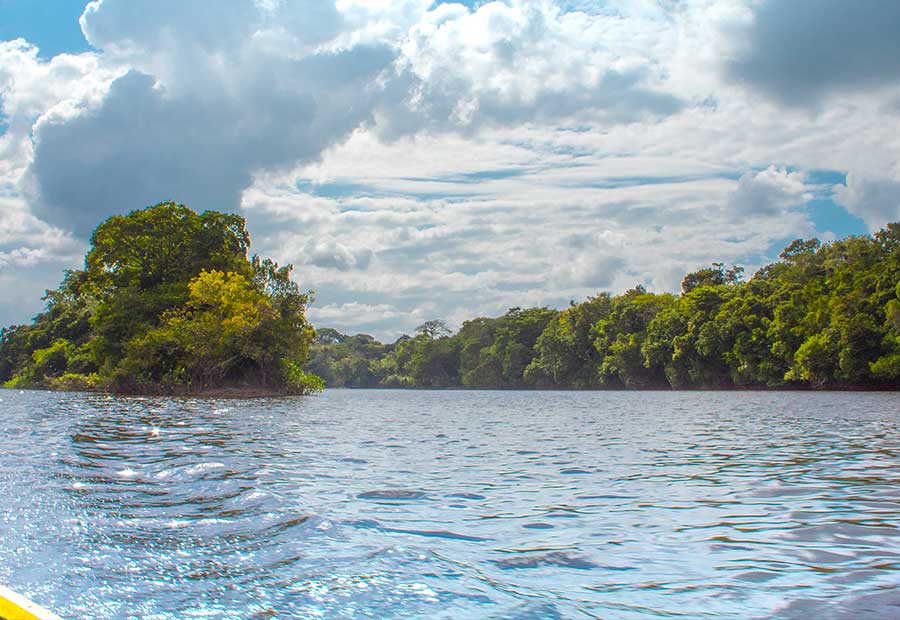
712	276
166	243
620	338
565	355
13	348
887	366
168	300
433	329
495	352
435	362
228	332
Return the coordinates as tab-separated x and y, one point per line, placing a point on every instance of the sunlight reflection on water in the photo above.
392	504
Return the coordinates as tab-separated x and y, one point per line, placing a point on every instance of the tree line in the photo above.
168	302
823	316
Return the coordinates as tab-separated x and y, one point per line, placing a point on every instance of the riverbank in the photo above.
250	393
235	392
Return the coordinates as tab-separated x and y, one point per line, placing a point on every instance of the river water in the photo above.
418	504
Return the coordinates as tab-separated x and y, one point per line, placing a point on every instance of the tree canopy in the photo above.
824	316
168	301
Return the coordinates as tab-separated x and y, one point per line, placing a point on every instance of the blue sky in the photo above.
419	160
51	25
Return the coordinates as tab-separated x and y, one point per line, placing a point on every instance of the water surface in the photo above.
413	504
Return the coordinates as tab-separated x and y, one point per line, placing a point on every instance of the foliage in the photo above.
565	351
620	339
711	276
436	328
167	301
346	361
300	381
824	315
494	353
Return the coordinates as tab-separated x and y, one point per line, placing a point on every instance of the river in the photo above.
455	504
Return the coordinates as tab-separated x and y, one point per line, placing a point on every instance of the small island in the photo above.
168	302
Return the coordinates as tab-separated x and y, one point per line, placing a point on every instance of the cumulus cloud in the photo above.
30	89
32	258
136	27
800	51
142	146
355	313
26	240
875	199
385	321
525	61
23	287
768	192
420	160
329	253
564	226
589	259
205	99
146	142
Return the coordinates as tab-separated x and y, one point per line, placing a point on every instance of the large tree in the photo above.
168	299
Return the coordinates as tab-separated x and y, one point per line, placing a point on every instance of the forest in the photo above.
824	316
168	302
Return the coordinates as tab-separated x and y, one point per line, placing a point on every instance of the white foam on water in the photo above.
202	467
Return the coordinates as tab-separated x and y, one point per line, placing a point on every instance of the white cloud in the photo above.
539	227
875	199
24	239
329	253
31	88
205	99
32	258
420	161
769	192
526	61
354	316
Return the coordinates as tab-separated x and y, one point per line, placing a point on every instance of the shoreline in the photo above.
791	388
237	393
250	393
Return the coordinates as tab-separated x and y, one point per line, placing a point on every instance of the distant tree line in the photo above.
824	316
168	302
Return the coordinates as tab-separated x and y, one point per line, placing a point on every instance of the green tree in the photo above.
620	338
565	355
168	299
494	353
228	332
712	276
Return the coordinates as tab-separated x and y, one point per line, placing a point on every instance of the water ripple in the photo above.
360	504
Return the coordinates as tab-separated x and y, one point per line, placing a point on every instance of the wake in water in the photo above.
506	505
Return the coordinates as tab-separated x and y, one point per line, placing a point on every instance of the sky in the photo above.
420	160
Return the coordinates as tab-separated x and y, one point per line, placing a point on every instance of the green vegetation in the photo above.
824	316
168	302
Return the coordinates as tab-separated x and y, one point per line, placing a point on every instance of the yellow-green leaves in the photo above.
168	301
